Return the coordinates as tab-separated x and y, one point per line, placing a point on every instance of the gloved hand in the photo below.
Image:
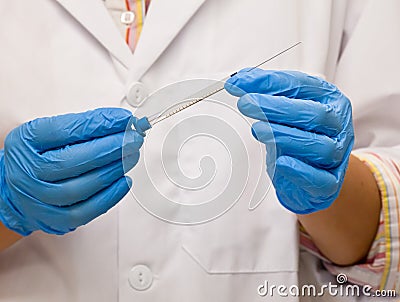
61	172
311	122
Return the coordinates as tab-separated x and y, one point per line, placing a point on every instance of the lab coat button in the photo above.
136	94
127	18
140	277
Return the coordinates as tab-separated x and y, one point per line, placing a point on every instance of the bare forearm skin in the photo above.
7	237
345	231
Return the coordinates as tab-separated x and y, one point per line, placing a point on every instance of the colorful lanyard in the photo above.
139	9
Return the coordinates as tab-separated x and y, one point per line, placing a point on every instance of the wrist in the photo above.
345	231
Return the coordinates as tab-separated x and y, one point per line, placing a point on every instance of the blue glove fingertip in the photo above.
263	132
244	104
133	141
249	105
114	112
254	133
129	181
231	87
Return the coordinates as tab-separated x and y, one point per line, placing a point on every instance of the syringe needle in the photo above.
194	100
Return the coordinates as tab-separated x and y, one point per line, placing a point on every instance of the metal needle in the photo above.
195	100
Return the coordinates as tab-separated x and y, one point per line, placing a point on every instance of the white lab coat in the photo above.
67	56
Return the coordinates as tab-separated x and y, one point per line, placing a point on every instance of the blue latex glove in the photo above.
61	172
311	122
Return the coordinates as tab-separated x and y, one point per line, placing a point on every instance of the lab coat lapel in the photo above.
93	15
164	21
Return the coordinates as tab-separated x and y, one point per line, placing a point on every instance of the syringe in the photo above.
143	124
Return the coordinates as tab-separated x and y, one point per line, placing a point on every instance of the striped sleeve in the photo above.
381	269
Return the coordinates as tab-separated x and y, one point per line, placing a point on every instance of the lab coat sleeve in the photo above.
367	72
